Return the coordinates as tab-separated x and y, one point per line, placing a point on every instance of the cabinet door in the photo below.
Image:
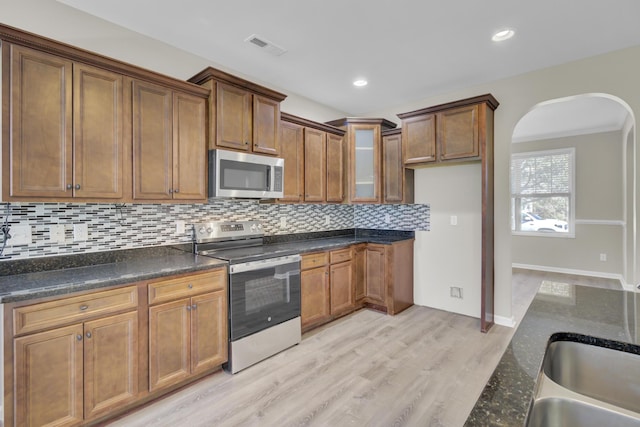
342	289
335	168
315	165
315	296
458	133
266	118
365	168
392	169
233	117
292	151
189	147
376	273
208	331
419	138
152	141
48	378
169	349
360	277
110	363
98	136
40	139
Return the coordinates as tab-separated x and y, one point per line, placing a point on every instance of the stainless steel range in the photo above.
264	290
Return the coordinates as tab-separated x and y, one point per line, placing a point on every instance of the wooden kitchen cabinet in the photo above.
169	144
315	299
375	273
360	272
342	286
364	157
67	122
397	181
458	133
419	138
315	159
69	374
243	116
292	151
187	334
315	165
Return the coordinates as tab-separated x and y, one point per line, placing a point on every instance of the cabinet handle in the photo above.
194	306
79	337
69	186
88	334
83	307
188	308
77	186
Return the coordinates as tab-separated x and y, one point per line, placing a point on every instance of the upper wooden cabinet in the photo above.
449	132
315	160
66	120
242	115
169	144
67	126
397	181
364	164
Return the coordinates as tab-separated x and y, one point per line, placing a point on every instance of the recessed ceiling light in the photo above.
360	82
503	35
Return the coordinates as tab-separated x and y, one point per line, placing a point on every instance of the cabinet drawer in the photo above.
50	314
340	255
314	260
168	290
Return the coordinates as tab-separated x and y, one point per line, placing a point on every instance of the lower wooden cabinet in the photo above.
342	289
78	372
81	359
315	307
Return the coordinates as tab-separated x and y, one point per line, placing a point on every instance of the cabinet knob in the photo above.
176	190
170	190
188	308
88	334
190	286
77	186
326	273
69	186
246	143
83	307
79	337
194	306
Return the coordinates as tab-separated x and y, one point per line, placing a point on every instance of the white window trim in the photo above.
571	234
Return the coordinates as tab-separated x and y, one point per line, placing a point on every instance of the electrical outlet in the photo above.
180	227
20	235
456	292
283	222
453	220
327	220
57	233
80	232
387	218
603	257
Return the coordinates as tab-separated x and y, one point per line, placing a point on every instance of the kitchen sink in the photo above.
560	412
581	383
605	374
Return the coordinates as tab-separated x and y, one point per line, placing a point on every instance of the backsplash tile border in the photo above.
131	226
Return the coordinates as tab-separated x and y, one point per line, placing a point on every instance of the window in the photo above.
542	193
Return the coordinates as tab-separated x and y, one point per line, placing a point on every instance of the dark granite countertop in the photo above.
600	314
51	276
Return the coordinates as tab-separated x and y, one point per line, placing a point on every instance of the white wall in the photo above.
599	196
615	73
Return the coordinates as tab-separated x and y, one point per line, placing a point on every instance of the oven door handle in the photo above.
262	264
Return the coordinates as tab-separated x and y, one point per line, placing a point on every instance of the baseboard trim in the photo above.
601	274
509	322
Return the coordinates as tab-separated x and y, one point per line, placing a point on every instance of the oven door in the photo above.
262	294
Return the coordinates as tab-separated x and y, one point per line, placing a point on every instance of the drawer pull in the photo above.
83	307
79	337
89	334
190	286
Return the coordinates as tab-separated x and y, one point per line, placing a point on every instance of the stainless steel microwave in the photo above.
243	175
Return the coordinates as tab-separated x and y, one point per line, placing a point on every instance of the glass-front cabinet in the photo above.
365	174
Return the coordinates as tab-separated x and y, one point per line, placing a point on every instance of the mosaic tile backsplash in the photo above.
112	227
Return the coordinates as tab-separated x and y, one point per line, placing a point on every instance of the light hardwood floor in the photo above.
423	367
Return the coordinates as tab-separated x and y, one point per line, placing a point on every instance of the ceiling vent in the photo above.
265	44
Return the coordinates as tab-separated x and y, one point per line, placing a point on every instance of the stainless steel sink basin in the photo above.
583	384
558	412
604	374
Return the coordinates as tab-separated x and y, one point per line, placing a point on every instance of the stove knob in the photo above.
253	227
201	230
209	230
259	227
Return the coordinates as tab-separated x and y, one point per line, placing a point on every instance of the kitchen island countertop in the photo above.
604	314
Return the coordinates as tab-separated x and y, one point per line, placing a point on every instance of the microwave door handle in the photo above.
268	179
